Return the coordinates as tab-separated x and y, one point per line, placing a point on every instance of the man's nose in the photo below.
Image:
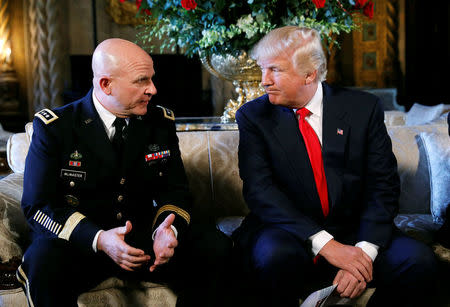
151	90
266	79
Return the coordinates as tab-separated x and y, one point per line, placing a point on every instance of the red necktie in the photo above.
315	157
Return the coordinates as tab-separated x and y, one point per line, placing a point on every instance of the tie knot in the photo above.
119	123
303	112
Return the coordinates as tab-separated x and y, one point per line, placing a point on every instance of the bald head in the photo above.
114	53
123	74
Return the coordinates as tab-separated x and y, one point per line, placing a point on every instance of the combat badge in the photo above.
76	155
153	147
46	115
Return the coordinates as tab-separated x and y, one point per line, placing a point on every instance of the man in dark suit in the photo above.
320	180
105	192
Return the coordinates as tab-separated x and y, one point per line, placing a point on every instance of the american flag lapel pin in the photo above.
340	131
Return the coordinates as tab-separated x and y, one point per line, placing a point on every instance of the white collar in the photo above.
315	104
106	116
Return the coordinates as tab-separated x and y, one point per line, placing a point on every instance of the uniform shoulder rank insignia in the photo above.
46	115
167	113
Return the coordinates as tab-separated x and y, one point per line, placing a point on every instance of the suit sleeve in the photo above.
263	194
382	185
174	196
46	211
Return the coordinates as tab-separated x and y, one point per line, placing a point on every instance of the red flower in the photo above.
189	4
360	4
368	9
138	5
319	3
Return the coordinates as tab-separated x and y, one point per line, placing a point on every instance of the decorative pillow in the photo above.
437	148
420	114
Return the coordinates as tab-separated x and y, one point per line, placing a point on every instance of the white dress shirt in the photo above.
318	240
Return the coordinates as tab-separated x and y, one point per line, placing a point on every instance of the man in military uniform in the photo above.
105	192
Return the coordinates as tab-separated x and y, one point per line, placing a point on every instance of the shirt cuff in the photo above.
319	240
94	243
175	232
369	248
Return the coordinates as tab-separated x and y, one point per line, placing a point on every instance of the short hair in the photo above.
301	43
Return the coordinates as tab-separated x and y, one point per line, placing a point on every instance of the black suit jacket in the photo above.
74	184
360	168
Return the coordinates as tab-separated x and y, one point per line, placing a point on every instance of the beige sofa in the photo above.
209	152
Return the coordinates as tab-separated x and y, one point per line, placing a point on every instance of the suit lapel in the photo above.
334	139
92	132
287	132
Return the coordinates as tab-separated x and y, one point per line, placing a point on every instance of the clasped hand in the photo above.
356	267
112	242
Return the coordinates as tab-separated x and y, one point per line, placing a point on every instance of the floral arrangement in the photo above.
221	26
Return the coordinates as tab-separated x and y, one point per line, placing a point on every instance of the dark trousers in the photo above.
279	271
55	272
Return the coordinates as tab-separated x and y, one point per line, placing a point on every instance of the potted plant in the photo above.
222	31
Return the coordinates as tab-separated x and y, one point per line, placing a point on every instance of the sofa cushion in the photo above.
394	118
437	147
13	225
413	166
115	292
229	224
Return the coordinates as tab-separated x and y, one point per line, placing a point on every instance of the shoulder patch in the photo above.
46	115
167	113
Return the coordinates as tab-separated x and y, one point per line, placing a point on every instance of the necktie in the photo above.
119	135
315	157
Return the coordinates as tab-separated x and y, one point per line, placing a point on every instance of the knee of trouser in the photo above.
275	256
47	256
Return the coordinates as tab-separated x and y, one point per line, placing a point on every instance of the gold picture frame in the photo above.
124	13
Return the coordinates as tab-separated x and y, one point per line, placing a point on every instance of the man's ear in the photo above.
105	85
310	77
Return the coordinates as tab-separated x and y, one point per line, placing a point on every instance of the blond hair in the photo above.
302	44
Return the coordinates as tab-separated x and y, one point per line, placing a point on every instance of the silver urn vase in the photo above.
243	72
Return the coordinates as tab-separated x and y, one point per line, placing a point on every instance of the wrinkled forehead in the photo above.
141	64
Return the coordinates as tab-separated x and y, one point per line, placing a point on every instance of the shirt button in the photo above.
119	216
122	181
120	198
72	184
160	174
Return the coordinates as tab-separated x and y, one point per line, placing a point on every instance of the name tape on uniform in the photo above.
67	173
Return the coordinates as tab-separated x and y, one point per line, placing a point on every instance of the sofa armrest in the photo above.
14	231
16	151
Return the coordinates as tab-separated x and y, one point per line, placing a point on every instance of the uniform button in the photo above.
122	181
119	216
160	174
120	198
72	184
